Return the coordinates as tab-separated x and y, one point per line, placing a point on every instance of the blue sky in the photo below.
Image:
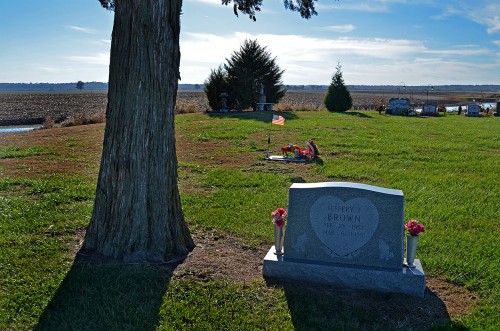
377	42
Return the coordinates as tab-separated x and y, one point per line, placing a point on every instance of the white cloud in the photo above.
493	24
79	29
497	42
209	2
483	12
318	49
372	6
312	60
486	13
338	28
303	58
102	42
447	11
294	48
265	8
100	58
418	72
193	47
47	69
464	52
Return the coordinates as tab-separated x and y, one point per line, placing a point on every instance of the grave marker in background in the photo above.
473	110
429	110
398	106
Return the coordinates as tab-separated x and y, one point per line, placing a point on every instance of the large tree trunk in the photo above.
137	211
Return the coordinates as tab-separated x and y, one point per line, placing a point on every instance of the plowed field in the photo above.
33	108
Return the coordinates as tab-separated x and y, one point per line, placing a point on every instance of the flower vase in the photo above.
411	250
278	240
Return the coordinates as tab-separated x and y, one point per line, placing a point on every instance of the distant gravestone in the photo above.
223	102
473	110
497	113
345	234
262	98
398	106
429	110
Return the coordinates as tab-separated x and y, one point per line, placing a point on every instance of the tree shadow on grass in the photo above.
107	296
356	114
261	116
326	308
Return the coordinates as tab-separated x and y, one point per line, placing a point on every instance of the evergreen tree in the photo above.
338	98
248	69
215	85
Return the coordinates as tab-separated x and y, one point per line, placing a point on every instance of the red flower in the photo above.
278	217
414	228
279	222
279	211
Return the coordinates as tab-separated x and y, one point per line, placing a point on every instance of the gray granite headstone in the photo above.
345	223
429	109
345	234
473	110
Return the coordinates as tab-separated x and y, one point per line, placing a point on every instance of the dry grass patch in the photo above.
73	150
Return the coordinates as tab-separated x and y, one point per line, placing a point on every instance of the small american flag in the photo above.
278	120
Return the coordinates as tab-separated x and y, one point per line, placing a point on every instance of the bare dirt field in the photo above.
25	108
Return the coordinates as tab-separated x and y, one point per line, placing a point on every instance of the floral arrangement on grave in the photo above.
290	148
414	228
279	222
279	217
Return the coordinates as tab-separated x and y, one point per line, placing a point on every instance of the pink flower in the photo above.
279	211
414	228
278	217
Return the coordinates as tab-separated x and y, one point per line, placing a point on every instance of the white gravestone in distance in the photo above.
397	106
346	234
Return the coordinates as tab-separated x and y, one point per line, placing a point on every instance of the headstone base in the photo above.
409	281
285	159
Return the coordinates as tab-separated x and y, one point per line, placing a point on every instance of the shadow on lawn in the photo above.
324	308
356	113
262	116
107	296
267	116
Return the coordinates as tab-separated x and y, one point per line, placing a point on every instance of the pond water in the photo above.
5	129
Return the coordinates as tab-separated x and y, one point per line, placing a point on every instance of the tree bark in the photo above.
137	213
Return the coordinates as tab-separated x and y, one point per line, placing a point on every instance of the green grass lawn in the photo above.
448	169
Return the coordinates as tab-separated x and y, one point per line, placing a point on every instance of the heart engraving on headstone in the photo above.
344	227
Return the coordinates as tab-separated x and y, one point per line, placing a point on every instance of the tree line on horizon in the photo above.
103	86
